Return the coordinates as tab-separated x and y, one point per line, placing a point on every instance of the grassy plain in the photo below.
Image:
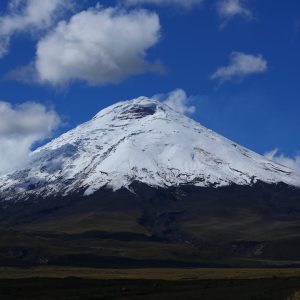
167	274
144	284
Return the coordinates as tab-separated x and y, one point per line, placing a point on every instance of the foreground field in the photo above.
84	289
169	274
59	283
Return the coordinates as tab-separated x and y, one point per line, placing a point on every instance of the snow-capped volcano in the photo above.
139	140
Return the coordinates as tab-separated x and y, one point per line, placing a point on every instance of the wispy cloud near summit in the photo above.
178	100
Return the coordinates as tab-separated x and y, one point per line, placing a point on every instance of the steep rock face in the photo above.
139	140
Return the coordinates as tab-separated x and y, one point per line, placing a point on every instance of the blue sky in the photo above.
237	60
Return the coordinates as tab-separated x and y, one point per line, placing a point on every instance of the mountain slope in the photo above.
139	140
236	225
190	195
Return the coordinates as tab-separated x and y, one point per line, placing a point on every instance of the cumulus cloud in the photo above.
293	163
28	15
21	127
180	3
240	66
178	100
228	9
98	46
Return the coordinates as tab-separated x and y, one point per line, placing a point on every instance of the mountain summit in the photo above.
140	140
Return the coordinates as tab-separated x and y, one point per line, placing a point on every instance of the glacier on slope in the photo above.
139	140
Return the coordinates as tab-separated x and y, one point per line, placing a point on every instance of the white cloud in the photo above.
240	66
98	46
231	8
178	100
20	127
28	15
293	163
228	9
180	3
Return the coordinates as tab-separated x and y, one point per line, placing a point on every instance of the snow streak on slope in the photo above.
139	140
